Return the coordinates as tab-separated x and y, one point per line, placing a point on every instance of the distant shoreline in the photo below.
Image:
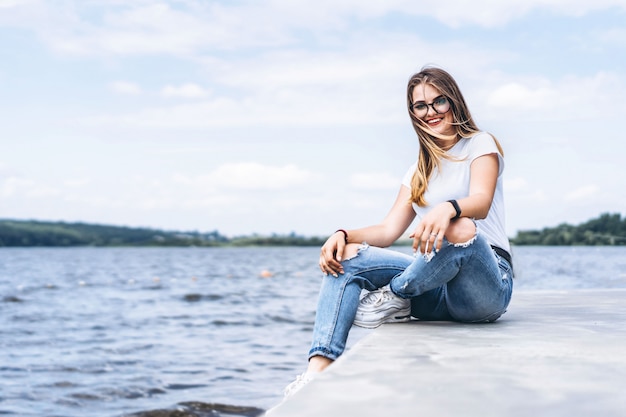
606	230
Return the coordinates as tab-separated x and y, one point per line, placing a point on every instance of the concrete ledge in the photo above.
554	353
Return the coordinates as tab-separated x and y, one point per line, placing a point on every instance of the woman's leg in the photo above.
370	268
464	281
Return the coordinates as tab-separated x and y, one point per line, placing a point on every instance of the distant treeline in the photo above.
608	229
40	233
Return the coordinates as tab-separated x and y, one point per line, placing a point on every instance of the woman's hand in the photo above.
332	253
429	233
382	234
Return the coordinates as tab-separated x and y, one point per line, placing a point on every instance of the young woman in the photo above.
461	269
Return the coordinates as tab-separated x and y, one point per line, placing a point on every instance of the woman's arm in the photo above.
382	234
483	178
433	226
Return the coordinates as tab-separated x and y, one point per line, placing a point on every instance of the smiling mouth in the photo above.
433	122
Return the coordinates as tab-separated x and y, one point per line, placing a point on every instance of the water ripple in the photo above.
112	332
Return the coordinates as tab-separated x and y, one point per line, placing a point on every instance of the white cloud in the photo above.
137	29
615	36
496	13
250	176
188	90
15	187
374	181
146	27
571	97
321	104
364	83
257	176
515	184
582	193
518	96
125	87
5	4
531	196
77	183
188	28
297	67
360	81
97	201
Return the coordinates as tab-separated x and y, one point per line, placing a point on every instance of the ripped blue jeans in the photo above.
463	282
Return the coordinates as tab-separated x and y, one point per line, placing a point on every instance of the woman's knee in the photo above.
461	230
351	250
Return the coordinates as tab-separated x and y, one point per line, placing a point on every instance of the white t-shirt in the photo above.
453	180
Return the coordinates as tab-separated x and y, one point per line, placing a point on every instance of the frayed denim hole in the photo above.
362	247
465	244
429	256
469	242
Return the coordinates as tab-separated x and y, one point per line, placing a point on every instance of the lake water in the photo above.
212	331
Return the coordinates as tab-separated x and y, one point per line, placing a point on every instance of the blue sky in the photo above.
289	116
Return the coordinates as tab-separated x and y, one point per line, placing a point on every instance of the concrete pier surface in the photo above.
554	353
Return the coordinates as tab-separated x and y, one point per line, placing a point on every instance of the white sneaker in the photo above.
298	384
295	386
382	306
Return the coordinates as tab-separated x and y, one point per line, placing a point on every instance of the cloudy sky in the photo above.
279	116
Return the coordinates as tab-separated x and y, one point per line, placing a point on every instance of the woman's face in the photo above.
437	114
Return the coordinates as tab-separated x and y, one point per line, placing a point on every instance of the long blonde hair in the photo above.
430	153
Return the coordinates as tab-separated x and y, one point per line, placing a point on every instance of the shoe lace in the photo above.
300	380
377	297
